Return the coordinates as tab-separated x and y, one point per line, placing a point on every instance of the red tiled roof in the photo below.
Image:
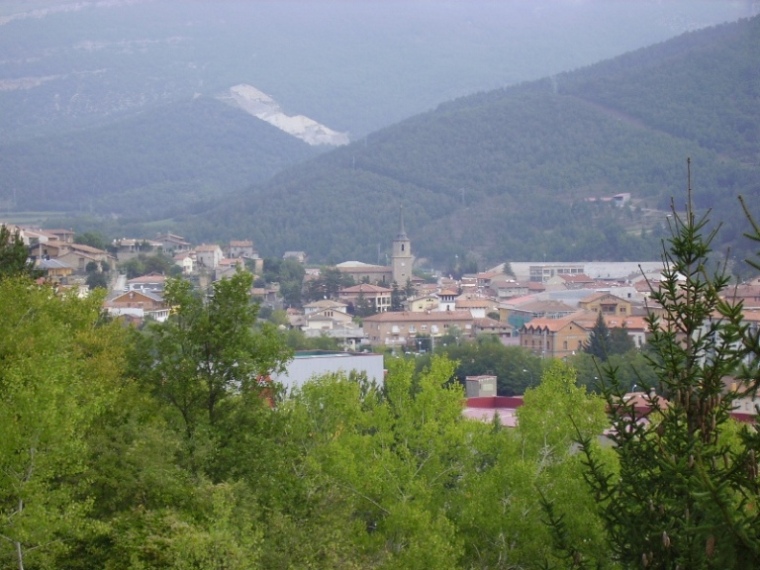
435	316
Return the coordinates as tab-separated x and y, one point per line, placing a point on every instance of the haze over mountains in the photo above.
506	174
114	107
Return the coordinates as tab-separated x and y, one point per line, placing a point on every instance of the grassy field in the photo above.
31	218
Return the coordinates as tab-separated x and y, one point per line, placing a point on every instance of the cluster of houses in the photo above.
547	308
65	263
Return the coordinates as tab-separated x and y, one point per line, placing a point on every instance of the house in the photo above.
186	261
54	270
138	304
62	235
422	303
506	288
349	335
325	315
326	319
79	256
127	248
322	304
228	267
478	306
241	248
522	310
607	304
365	272
447	299
636	326
504	331
402	328
208	256
172	243
379	297
557	338
153	282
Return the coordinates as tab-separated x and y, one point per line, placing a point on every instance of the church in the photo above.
400	269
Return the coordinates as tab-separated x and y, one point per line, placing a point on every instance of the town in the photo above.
548	309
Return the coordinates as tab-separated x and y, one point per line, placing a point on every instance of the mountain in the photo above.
508	174
156	163
108	104
354	66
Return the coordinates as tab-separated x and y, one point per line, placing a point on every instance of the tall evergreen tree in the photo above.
686	491
599	341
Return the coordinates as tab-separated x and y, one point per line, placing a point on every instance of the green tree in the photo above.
208	350
93	239
500	517
686	492
96	279
14	255
61	369
396	299
363	307
598	344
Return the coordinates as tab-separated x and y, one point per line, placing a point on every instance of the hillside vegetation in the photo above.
155	164
504	174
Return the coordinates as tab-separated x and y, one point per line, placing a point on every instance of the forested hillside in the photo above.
505	174
155	164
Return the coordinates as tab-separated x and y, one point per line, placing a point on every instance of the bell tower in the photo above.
402	259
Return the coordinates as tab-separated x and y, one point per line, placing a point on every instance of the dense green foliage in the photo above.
14	255
172	457
505	174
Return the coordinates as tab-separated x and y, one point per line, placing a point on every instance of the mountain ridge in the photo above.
532	153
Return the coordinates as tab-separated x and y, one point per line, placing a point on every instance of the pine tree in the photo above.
599	341
686	492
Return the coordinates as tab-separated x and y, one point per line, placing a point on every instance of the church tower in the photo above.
401	259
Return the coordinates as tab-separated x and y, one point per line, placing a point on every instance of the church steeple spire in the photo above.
402	259
401	231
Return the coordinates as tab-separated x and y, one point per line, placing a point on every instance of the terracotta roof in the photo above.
205	247
86	249
576	278
434	316
131	296
448	292
154	278
552	325
634	323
